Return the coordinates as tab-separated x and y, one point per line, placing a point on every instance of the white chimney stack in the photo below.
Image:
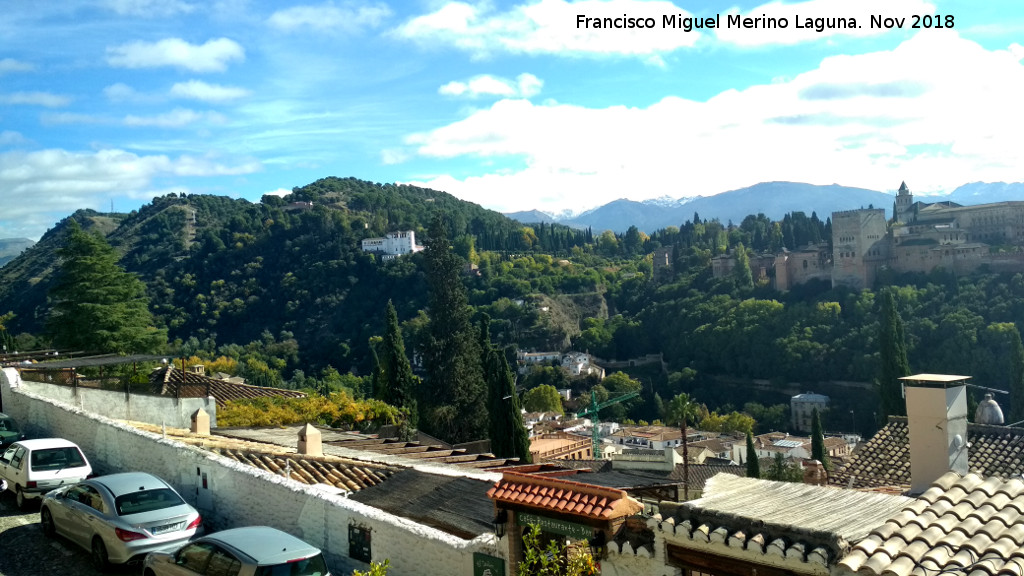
937	418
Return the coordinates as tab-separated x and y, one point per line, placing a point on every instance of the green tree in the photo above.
742	274
509	437
893	355
455	395
398	383
753	464
680	409
783	471
818	441
553	559
376	569
95	305
543	398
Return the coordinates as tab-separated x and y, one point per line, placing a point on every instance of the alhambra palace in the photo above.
920	238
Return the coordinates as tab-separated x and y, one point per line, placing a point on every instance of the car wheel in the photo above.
20	499
148	572
99	555
46	519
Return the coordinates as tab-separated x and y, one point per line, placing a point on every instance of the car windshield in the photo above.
312	566
8	425
146	501
56	458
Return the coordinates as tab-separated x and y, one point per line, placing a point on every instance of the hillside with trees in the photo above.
283	289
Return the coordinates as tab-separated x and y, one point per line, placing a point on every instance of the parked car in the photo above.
9	431
120	517
32	468
249	551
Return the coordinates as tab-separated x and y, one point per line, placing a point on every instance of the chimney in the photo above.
814	473
937	418
310	441
200	425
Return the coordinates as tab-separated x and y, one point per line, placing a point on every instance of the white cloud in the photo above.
797	14
149	8
121	92
8	65
177	118
936	111
281	192
330	17
213	56
45	99
198	90
58	118
10	137
550	27
59	182
524	86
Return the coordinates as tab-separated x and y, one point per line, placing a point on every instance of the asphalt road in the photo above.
25	551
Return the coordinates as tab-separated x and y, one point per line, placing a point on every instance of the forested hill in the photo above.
240	271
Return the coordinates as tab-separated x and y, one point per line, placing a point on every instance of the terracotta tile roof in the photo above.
971	525
563	496
885	459
167	381
764	518
345	474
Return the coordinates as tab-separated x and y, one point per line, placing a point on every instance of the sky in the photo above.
514	105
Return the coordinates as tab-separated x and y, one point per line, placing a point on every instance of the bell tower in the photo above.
904	200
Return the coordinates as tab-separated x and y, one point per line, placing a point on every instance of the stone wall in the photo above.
230	494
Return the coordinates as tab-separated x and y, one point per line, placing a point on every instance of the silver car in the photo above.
120	517
249	551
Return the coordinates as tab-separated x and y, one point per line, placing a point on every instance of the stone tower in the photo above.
904	200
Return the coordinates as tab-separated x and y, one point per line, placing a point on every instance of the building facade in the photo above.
393	245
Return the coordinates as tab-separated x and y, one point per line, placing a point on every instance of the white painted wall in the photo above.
158	410
240	495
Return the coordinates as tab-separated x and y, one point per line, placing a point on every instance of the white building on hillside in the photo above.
393	245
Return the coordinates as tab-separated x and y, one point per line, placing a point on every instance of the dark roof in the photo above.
102	360
885	459
455	505
970	525
167	381
701	473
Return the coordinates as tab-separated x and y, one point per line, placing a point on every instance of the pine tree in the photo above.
397	382
455	395
818	441
893	354
753	464
509	438
95	305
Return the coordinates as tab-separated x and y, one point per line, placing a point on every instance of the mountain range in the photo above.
773	199
11	247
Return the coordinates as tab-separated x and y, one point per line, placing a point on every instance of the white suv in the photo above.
31	468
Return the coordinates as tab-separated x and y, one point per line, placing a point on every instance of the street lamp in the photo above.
499	523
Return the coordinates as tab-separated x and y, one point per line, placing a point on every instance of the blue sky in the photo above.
506	104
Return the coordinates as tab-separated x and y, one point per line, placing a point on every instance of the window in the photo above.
57	458
222	564
146	501
195	557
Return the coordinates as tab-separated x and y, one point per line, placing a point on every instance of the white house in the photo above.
393	245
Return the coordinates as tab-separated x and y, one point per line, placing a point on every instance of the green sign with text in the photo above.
487	565
554	526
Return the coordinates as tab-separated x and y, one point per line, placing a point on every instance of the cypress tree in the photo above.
96	305
818	441
753	464
454	398
509	438
744	278
398	383
893	355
